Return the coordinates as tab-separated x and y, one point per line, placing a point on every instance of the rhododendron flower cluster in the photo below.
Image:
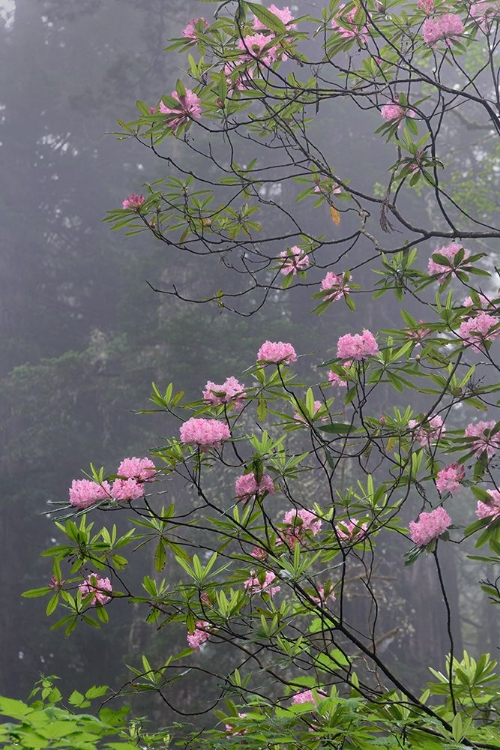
84	492
307	696
254	586
277	352
429	526
336	283
284	15
393	111
490	509
141	469
426	6
259	553
321	597
351	530
98	588
206	433
190	31
299	522
294	260
438	269
445	27
189	109
231	392
483	301
254	44
127	489
133	201
428	432
336	379
300	417
485	12
419	334
475	331
345	25
483	440
357	346
200	635
246	487
450	478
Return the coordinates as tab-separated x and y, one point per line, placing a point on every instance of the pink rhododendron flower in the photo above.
336	379
190	31
254	586
485	13
259	553
450	478
133	201
393	111
244	79
277	352
426	6
429	432
200	635
438	269
294	260
475	331
207	433
307	696
483	301
345	25
254	44
419	334
284	15
299	522
98	587
247	487
490	509
357	346
127	489
444	27
429	526
322	598
336	283
300	417
483	441
84	492
230	392
141	469
189	109
351	530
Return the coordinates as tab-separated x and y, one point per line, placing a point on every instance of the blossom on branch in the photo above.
258	46
476	330
429	431
357	346
429	526
134	201
450	478
206	433
277	352
351	530
247	487
127	489
483	440
294	260
490	509
448	26
84	492
284	15
440	270
336	283
231	392
200	636
189	109
254	586
190	31
141	469
98	588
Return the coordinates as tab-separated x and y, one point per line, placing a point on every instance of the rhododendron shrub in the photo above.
301	484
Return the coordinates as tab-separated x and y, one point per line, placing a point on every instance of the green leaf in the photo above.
337	428
267	18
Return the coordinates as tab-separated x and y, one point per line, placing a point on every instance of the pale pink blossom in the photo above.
448	26
231	392
336	284
351	530
189	109
317	406
426	6
418	335
127	489
484	302
428	432
231	730
278	352
429	526
294	260
141	469
134	201
284	15
200	635
207	433
490	509
357	346
246	487
483	440
243	81
299	522
345	25
190	31
475	331
450	478
336	380
321	598
438	269
254	586
485	13
84	492
307	696
98	588
253	45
